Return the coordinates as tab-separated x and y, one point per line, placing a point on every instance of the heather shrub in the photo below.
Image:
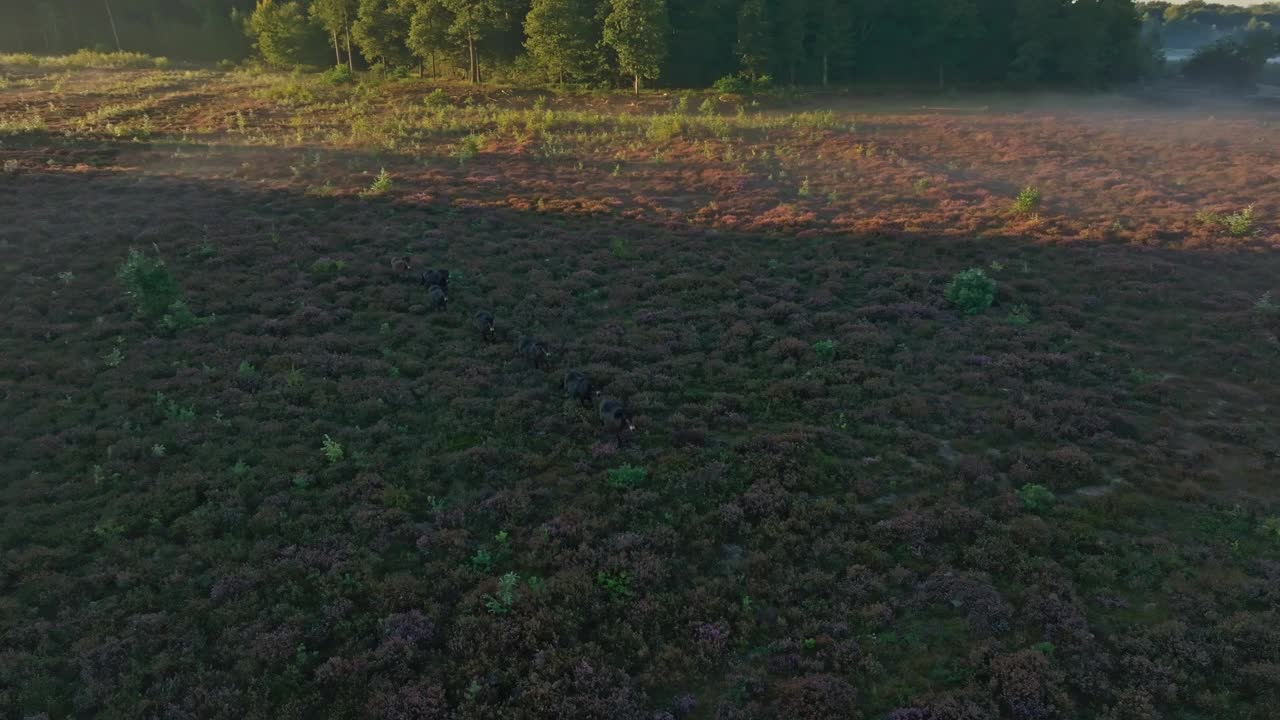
972	291
731	85
339	75
825	350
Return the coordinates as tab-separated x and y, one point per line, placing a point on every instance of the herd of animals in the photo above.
613	414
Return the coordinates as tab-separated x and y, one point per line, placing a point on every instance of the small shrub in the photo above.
731	85
972	291
327	266
1019	316
331	450
501	602
468	148
617	585
338	75
1036	498
625	476
825	350
664	128
149	285
1270	528
1239	224
436	99
1028	201
1266	306
380	185
246	371
707	107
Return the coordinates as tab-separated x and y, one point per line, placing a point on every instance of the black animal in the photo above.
533	350
438	278
484	325
577	386
615	417
436	298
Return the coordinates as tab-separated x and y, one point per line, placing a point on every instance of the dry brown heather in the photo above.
844	498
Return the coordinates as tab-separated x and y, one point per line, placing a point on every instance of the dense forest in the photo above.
1087	43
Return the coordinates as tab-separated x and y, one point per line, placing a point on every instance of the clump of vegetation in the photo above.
1237	224
731	85
327	266
972	291
825	350
468	148
1020	316
1265	306
664	128
380	185
501	602
154	292
437	98
616	585
1028	200
1036	498
625	476
332	450
339	75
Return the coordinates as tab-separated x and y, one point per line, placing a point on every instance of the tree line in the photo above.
679	43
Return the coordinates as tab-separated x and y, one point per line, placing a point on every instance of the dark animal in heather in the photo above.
615	417
436	298
484	325
577	386
533	350
401	265
438	278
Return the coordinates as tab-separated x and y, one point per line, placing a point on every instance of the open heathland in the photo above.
944	408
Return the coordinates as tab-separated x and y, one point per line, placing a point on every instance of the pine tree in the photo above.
381	29
637	31
754	44
472	20
281	31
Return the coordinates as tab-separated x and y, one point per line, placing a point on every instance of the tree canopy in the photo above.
1085	43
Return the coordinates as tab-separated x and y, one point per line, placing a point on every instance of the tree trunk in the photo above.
434	72
351	64
471	58
112	19
637	84
825	76
337	53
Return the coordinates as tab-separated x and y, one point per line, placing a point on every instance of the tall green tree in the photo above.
832	29
282	32
637	31
789	39
755	41
472	21
429	31
562	36
381	28
336	16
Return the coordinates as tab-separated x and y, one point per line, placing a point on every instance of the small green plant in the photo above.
825	350
805	189
810	643
625	476
158	450
620	248
707	107
1019	316
665	128
380	185
339	75
501	602
1270	528
616	585
482	560
1036	498
331	450
436	99
246	371
240	469
468	148
1266	306
114	358
1028	200
1239	224
922	185
1045	648
149	285
327	266
972	291
731	85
